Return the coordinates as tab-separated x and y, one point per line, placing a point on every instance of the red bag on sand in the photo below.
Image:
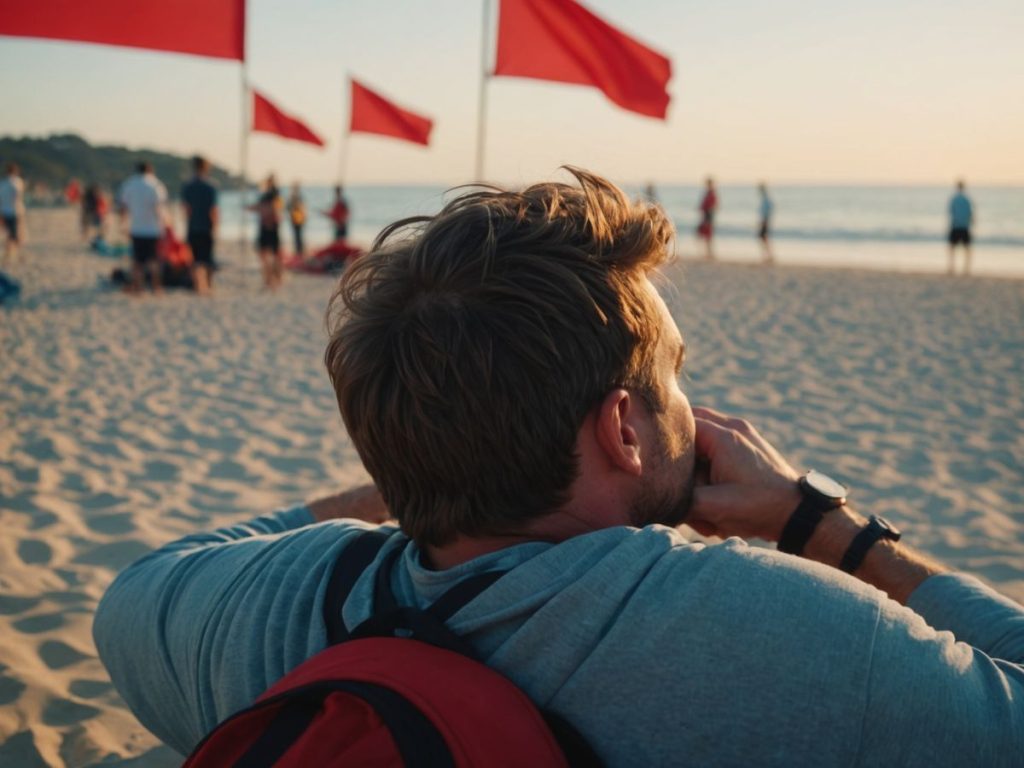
378	700
172	251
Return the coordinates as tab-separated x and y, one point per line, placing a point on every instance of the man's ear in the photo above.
615	431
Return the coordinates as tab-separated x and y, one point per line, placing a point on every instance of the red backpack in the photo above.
374	699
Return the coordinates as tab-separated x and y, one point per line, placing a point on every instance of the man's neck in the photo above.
554	528
464	549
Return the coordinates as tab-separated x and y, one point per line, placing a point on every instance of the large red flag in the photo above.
372	113
563	41
202	27
266	118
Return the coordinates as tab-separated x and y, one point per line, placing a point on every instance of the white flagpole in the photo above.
481	123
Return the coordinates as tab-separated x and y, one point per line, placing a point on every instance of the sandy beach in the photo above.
127	422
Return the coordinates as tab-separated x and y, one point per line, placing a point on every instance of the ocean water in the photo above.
885	227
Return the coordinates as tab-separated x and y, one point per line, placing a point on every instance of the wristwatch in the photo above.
877	528
820	494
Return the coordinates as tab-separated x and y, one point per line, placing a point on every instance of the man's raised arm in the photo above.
945	684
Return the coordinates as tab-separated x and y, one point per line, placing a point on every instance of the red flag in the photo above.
266	118
563	41
372	113
202	27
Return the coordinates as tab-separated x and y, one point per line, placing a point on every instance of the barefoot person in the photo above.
199	198
12	210
268	211
142	200
765	211
961	219
706	228
511	379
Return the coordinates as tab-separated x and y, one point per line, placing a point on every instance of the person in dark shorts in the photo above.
141	200
765	211
961	219
268	210
199	197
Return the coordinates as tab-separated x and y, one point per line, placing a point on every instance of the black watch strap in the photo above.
876	529
800	526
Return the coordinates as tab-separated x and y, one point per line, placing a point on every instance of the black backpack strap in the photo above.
391	619
349	566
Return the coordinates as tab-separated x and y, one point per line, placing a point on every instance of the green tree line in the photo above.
50	162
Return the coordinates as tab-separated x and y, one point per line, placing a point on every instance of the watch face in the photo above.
825	485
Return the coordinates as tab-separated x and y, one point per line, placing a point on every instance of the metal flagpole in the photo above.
243	148
345	134
481	123
243	163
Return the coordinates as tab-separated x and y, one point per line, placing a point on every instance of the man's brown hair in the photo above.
467	348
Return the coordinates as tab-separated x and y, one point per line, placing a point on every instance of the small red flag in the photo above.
266	118
372	113
202	27
561	40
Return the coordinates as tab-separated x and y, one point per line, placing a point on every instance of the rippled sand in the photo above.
127	422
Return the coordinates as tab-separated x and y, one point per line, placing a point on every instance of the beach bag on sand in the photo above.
172	251
399	689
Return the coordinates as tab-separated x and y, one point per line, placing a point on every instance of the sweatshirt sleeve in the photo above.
199	628
946	684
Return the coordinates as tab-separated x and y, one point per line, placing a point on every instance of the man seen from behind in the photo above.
510	376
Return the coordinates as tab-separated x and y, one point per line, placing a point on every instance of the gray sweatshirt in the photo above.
660	651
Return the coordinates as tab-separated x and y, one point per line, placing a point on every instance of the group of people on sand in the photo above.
142	204
960	209
157	255
270	208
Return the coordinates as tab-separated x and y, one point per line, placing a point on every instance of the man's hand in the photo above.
360	503
745	488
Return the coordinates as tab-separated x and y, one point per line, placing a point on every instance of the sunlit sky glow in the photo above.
876	91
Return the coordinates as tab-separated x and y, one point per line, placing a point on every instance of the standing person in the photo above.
94	211
12	209
706	229
766	209
339	214
141	199
73	191
961	219
297	214
268	211
202	215
518	402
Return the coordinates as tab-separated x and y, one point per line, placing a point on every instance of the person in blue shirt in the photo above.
512	381
961	219
765	210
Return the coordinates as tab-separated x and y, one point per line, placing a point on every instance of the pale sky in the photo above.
875	91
